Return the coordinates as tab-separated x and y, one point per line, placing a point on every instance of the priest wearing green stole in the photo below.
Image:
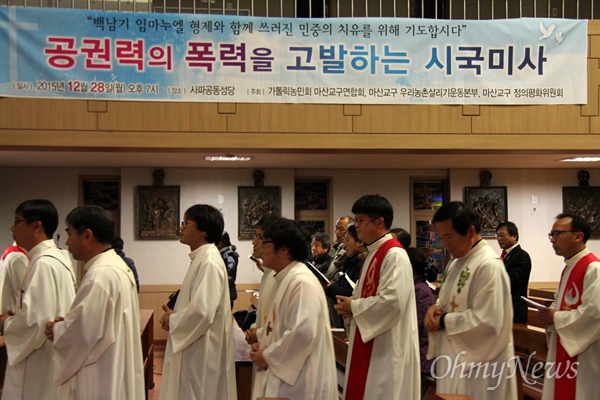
470	326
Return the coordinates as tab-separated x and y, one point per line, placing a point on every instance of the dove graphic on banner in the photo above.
546	33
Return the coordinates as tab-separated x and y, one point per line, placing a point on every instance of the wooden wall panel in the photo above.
20	113
162	117
529	120
412	119
290	118
591	108
152	297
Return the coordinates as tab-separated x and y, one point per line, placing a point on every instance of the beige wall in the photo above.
150	125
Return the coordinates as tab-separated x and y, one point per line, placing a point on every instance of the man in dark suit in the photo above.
518	266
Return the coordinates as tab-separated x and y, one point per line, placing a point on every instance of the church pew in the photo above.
445	396
530	346
243	363
532	318
543	293
147	338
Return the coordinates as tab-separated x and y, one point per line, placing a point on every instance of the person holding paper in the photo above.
573	361
383	353
294	353
470	326
349	270
319	249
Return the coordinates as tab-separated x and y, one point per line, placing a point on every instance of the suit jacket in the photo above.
518	267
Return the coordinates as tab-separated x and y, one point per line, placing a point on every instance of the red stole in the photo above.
565	381
361	352
12	249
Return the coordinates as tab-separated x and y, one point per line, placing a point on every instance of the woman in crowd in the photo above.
347	269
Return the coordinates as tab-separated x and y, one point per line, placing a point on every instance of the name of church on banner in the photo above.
64	53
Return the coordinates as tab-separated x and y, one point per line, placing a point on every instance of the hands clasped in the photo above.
49	331
256	355
164	320
343	306
432	318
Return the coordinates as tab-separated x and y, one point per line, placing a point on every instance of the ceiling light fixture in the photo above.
227	158
581	159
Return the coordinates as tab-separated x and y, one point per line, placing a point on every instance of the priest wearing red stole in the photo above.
383	354
573	362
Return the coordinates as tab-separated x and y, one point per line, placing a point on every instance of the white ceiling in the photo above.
295	159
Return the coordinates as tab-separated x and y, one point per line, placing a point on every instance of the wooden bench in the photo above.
444	396
532	318
243	363
531	348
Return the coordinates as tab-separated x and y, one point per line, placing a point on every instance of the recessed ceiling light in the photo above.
581	159
227	158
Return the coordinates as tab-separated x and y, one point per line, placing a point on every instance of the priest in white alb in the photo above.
97	343
573	319
47	290
199	358
470	326
13	267
294	354
383	355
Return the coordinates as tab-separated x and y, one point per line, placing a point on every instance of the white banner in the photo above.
81	54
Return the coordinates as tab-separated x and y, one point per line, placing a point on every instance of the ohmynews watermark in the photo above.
504	370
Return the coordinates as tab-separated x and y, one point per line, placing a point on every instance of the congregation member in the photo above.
573	319
470	326
231	259
294	354
117	245
338	249
47	290
346	273
403	236
199	359
422	273
98	346
383	353
518	266
341	226
319	250
13	267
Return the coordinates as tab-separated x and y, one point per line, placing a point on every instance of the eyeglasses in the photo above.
557	234
18	221
267	241
501	235
184	224
360	221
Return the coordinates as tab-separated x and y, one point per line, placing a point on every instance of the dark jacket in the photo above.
231	258
518	267
131	266
424	298
322	262
340	286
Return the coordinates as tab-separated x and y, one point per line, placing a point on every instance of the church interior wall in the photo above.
164	262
